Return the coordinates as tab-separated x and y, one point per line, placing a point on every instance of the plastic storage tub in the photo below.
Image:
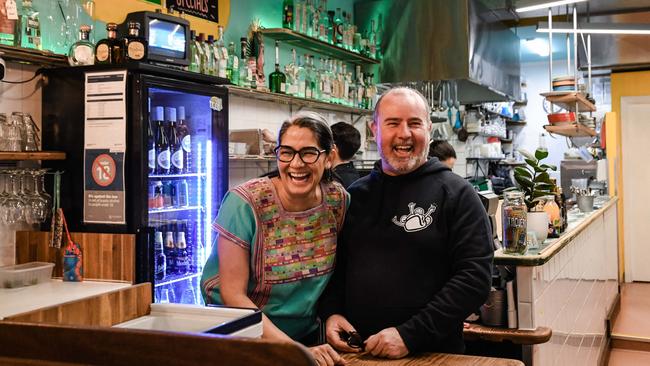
26	274
200	319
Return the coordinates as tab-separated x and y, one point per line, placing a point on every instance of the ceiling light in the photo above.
546	5
595	28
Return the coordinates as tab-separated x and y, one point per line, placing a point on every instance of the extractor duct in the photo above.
434	40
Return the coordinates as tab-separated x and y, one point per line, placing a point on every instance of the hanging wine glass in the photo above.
14	204
37	205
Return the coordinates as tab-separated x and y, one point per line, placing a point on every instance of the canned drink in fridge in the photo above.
182	194
169	194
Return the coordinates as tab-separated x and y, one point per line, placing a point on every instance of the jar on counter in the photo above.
514	218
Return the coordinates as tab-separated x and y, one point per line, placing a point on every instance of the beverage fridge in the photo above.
167	181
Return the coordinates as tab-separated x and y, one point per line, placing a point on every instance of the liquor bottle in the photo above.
311	90
232	69
221	54
109	50
379	35
360	88
82	52
175	145
287	14
277	79
244	79
151	147
29	27
170	247
162	144
331	31
210	61
338	27
372	40
326	81
183	260
183	131
323	21
297	15
195	53
135	46
160	261
291	71
300	78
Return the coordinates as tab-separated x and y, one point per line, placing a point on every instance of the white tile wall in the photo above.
17	98
572	294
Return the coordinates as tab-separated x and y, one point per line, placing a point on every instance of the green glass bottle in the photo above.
232	70
287	14
195	53
277	79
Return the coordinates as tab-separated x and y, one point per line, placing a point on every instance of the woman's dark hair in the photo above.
318	125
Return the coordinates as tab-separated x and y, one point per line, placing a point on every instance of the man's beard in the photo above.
402	166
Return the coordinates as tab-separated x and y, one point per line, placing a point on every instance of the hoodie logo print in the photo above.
417	219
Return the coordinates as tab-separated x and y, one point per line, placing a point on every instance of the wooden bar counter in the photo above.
429	359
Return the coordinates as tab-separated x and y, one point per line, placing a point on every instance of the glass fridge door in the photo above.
179	145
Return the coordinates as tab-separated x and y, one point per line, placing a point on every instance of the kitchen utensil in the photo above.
444	100
561	118
462	132
456	102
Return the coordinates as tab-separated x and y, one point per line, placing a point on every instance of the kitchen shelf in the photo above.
186	175
291	100
316	45
30	56
175	209
571	130
31	155
569	100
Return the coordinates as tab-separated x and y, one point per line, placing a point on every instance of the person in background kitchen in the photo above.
444	152
347	140
277	238
415	255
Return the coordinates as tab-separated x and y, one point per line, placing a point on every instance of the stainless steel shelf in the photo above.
316	45
175	209
295	101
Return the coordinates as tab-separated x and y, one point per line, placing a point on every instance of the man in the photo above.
414	257
444	152
347	140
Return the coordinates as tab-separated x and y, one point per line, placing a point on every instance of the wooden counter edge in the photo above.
517	336
61	345
429	359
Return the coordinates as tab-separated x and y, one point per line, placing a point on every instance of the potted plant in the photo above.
536	183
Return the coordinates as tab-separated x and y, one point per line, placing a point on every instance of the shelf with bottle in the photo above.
173	278
175	209
571	130
31	155
32	56
294	100
318	46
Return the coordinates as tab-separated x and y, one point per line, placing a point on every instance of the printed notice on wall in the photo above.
104	147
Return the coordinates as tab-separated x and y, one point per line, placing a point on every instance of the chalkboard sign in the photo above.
204	9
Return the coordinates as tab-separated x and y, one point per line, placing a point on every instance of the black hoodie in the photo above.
414	254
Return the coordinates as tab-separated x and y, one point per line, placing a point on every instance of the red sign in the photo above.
103	170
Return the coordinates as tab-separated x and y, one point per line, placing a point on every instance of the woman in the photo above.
277	237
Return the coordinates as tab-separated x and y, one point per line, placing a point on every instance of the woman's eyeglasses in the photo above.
308	155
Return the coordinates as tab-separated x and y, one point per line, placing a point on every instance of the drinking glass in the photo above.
38	204
14	204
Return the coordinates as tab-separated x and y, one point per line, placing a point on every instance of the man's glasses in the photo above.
308	155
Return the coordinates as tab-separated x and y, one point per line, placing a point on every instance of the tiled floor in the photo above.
634	316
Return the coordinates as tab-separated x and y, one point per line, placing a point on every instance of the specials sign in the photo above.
204	9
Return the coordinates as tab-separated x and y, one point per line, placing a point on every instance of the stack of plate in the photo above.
587	121
564	83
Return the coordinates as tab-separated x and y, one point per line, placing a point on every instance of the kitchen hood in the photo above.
434	40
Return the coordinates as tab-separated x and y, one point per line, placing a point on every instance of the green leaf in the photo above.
543	178
541	154
523	181
549	166
526	154
545	186
537	194
532	163
523	172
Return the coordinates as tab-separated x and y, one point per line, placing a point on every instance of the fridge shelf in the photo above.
187	175
168	280
175	209
318	46
294	101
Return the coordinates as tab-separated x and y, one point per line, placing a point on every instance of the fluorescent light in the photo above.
546	5
595	28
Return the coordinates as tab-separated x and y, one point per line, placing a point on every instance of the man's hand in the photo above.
325	355
387	343
333	326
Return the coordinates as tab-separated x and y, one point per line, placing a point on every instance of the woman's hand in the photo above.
333	326
325	355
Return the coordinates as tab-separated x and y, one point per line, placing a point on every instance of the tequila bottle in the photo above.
372	40
232	69
291	71
135	46
208	67
221	55
82	52
109	50
244	77
195	53
29	31
277	79
338	27
300	78
287	14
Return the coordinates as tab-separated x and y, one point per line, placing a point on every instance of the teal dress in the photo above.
291	254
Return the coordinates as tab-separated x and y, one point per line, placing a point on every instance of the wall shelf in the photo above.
316	45
30	56
571	130
569	101
31	155
294	101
